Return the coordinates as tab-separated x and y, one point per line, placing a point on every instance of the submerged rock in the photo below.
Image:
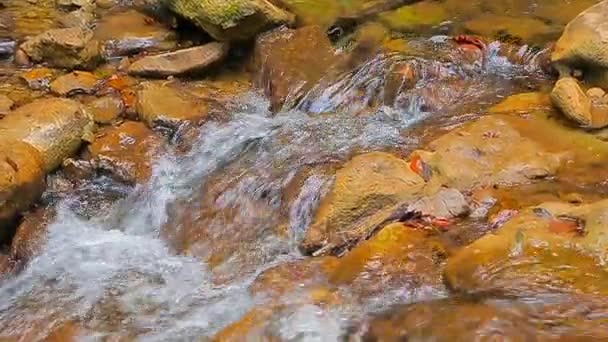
64	48
398	257
522	103
130	32
286	65
449	320
126	151
583	46
291	277
231	19
54	127
180	62
551	248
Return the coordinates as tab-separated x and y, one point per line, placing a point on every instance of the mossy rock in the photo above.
416	16
231	19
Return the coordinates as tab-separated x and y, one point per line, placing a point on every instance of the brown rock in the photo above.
522	103
583	46
551	248
126	151
450	320
489	151
365	185
294	276
5	104
64	48
79	18
31	235
39	78
398	257
22	180
576	105
167	105
231	19
76	82
130	32
180	62
55	127
287	67
106	109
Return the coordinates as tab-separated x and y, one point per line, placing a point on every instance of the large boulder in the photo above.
583	46
55	127
64	48
548	249
491	151
286	65
22	180
231	19
365	185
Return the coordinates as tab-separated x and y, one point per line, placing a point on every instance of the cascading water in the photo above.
115	273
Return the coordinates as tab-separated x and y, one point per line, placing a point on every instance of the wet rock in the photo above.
576	105
64	48
583	46
522	103
54	127
169	106
365	185
286	67
231	19
516	28
449	320
7	47
39	78
488	152
551	248
446	203
80	18
106	109
294	276
423	14
126	151
397	258
5	105
76	82
180	62
69	4
22	180
324	13
130	32
31	235
251	325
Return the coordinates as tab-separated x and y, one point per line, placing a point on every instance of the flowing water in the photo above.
115	272
122	271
